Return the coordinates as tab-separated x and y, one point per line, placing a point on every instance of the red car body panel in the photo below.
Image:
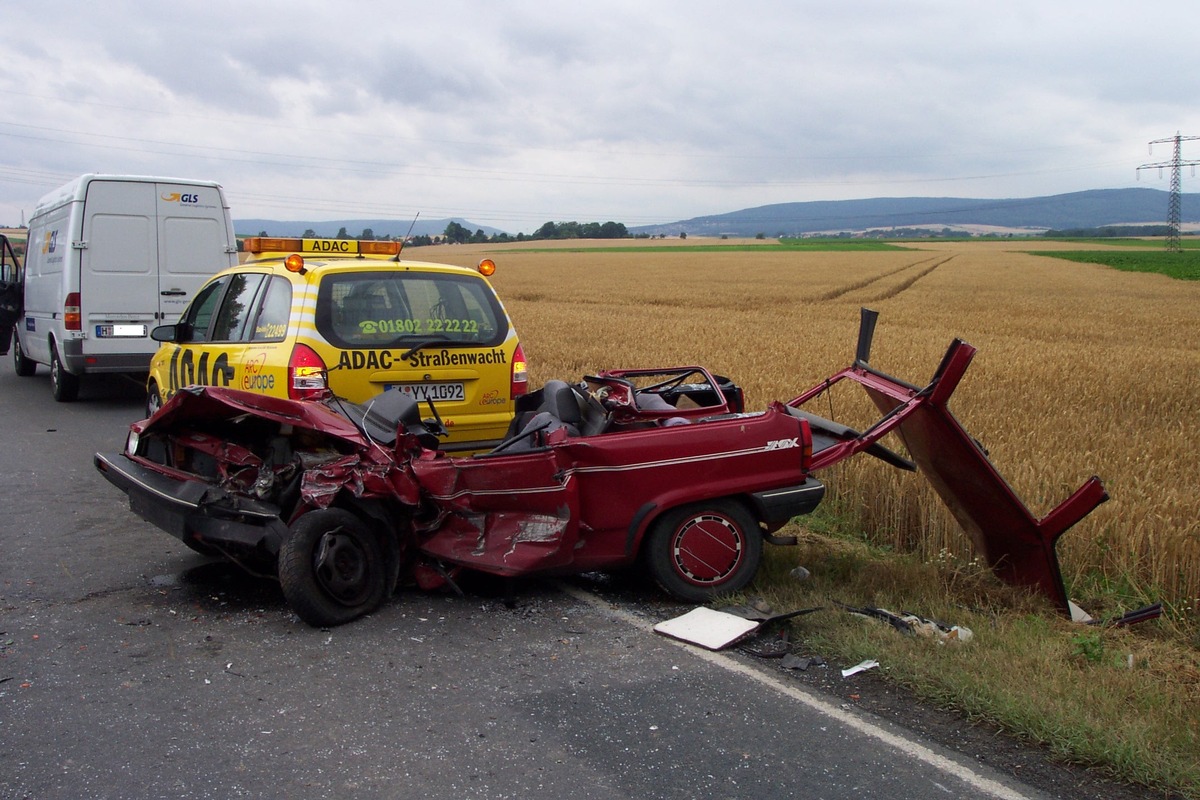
1016	546
585	503
202	406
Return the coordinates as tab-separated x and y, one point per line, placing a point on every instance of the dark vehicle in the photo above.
343	502
11	294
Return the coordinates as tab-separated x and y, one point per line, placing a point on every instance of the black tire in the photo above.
331	568
23	366
63	385
153	400
699	551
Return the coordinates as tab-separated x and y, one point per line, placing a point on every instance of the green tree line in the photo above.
456	233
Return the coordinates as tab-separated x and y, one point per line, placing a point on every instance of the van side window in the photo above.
236	307
200	312
274	311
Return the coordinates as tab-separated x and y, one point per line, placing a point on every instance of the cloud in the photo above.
512	114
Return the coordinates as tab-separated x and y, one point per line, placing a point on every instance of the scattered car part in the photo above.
1017	547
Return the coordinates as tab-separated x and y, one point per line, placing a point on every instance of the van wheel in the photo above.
22	365
63	385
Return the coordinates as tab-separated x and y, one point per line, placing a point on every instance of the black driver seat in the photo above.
560	406
560	401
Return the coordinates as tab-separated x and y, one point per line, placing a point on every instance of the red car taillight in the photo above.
306	374
72	318
806	445
520	376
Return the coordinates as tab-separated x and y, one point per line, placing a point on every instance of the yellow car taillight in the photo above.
307	375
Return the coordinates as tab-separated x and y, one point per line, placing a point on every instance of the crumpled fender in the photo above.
507	515
320	484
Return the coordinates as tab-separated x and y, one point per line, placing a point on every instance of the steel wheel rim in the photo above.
342	568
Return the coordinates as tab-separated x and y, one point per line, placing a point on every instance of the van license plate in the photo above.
118	331
431	391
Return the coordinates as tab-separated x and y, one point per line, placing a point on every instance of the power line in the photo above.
1174	204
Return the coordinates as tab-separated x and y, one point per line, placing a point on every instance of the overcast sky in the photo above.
511	114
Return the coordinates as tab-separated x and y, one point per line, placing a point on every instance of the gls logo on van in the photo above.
49	242
176	197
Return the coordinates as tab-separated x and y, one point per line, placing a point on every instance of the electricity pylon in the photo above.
1174	205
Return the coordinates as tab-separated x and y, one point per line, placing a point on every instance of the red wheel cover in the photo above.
707	548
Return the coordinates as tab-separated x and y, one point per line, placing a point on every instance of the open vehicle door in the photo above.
12	293
1018	547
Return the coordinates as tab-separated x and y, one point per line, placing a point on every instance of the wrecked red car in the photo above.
343	502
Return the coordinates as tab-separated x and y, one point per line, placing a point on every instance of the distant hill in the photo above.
354	227
1090	209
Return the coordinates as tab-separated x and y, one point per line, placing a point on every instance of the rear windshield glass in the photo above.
380	310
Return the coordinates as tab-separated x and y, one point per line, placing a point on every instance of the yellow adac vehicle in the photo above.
301	317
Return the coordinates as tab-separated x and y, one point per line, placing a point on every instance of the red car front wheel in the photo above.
331	568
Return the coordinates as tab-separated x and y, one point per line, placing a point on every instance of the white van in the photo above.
108	258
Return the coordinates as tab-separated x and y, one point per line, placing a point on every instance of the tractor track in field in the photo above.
900	287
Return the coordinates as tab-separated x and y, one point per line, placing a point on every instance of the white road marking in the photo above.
912	749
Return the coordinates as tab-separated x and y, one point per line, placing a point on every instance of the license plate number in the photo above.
431	391
119	331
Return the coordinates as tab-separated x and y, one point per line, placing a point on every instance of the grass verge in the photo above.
1122	700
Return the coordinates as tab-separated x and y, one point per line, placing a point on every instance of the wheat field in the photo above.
1081	370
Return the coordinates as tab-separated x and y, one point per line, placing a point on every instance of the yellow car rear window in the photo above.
376	310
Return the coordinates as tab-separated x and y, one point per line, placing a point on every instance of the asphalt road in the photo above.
131	667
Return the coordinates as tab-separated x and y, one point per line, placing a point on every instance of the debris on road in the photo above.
860	667
768	645
801	663
912	624
712	630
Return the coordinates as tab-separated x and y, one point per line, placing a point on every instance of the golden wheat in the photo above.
1081	370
